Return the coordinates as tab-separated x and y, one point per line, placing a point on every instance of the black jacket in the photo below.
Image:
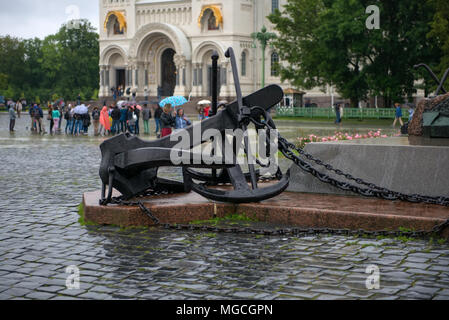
167	121
158	113
116	114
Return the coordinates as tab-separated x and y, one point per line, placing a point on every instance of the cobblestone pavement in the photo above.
42	180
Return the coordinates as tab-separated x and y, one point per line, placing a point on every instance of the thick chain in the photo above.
297	232
373	191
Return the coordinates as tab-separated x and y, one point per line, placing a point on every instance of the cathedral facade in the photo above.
148	44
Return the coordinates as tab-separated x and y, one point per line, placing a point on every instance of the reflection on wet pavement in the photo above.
43	178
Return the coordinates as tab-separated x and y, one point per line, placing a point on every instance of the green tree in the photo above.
79	49
12	60
328	42
63	64
51	62
439	32
33	65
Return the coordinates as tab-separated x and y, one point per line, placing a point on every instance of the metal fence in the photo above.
348	113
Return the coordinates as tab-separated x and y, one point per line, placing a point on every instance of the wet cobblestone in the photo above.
42	180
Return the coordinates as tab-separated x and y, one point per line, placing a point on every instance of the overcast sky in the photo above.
39	18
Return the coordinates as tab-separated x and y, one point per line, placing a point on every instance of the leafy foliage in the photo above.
326	42
62	65
440	31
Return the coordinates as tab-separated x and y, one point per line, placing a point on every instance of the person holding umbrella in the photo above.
131	119
167	121
204	109
86	120
79	111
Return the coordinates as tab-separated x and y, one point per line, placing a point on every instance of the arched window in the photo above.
274	64
244	63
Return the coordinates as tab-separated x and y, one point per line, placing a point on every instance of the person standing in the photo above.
181	120
134	93
61	111
31	113
146	116
73	117
78	123
19	108
411	112
167	121
56	115
68	116
12	119
157	118
123	118
137	124
338	113
201	115
115	115
86	121
398	116
131	120
207	111
50	118
78	99
146	94
96	119
38	116
24	104
105	125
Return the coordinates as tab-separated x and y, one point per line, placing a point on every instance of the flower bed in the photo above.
340	136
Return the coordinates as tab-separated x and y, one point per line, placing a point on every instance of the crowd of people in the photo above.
106	121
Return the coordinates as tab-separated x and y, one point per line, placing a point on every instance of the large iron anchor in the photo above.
130	165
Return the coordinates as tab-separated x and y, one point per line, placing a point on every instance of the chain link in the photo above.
373	191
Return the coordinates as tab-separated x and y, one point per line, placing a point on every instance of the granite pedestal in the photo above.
398	164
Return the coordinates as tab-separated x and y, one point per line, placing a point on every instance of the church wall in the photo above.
240	19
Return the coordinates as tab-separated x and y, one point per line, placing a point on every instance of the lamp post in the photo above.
264	38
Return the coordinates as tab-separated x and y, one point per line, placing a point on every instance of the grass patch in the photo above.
82	220
229	219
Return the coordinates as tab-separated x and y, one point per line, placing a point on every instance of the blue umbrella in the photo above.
175	101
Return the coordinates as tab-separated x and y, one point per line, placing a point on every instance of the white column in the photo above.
107	84
102	76
227	88
180	63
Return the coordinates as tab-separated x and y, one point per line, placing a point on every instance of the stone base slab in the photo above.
391	163
289	209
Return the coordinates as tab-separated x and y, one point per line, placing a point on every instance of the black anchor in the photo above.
130	165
